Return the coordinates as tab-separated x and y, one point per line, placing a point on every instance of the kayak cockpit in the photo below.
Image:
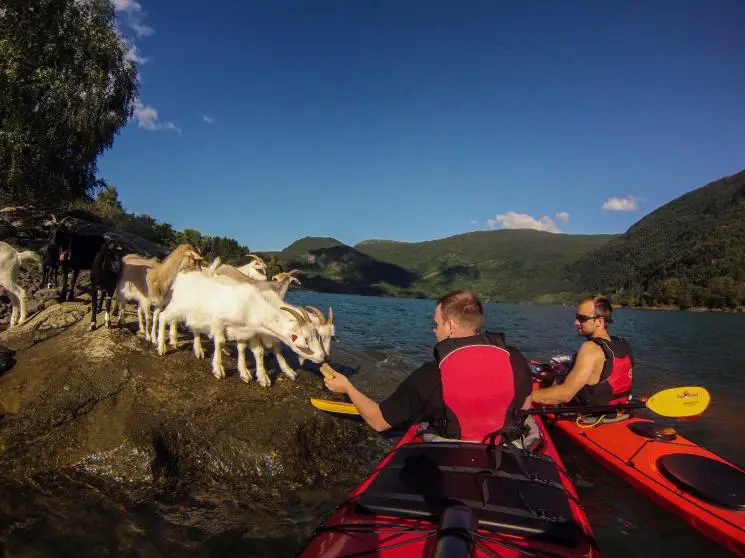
508	490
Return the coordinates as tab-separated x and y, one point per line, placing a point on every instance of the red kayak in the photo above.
458	499
676	473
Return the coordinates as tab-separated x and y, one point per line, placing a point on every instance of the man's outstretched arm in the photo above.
369	409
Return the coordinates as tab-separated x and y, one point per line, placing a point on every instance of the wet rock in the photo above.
107	445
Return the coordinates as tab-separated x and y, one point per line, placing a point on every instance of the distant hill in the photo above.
331	266
515	265
689	252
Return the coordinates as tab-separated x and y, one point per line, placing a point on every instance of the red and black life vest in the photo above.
483	386
616	378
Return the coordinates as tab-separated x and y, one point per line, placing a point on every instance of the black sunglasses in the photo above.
582	318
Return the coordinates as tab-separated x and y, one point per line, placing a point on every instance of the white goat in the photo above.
11	261
132	287
219	306
274	292
326	329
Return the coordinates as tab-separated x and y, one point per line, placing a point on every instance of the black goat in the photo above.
105	272
77	251
50	267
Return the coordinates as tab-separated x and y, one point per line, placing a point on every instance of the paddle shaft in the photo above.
586	408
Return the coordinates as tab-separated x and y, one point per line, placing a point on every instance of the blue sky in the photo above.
418	119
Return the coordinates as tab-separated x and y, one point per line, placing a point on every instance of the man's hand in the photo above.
338	383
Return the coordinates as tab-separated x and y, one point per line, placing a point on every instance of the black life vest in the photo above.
616	378
481	390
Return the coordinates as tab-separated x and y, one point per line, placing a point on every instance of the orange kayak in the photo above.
690	481
676	473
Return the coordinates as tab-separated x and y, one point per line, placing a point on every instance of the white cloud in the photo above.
130	6
562	216
474	222
208	119
620	204
133	55
135	16
147	118
512	220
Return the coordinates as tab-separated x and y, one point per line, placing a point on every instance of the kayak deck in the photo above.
521	503
676	473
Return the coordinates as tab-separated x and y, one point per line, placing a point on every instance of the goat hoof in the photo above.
291	374
265	381
219	372
246	378
92	327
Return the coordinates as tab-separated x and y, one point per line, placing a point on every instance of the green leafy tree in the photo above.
66	88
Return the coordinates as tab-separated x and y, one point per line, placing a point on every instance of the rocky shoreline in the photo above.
97	427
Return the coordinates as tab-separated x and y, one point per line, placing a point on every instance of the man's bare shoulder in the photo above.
591	351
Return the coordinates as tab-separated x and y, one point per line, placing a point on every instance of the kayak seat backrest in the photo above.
710	480
522	496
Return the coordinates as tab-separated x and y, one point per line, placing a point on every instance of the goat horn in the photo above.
256	258
294	271
331	316
305	315
318	313
295	313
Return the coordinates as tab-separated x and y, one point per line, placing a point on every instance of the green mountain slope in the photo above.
518	265
690	251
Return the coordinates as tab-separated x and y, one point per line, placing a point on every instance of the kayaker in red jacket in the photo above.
602	370
474	386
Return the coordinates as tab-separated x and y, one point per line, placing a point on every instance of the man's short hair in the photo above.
603	307
464	308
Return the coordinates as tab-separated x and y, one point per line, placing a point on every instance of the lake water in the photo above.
670	349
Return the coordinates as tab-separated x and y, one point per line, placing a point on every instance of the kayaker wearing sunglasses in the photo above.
474	386
601	372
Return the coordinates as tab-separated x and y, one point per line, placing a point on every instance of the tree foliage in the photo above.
689	252
66	88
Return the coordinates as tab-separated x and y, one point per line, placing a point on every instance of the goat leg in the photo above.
156	324
161	337
172	335
94	308
19	305
74	280
289	372
242	368
257	348
198	350
107	315
219	338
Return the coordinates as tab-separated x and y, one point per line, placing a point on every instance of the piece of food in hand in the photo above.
327	371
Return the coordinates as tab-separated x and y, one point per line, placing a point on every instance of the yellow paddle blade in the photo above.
679	402
335	406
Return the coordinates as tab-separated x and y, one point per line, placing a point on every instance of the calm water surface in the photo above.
670	349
